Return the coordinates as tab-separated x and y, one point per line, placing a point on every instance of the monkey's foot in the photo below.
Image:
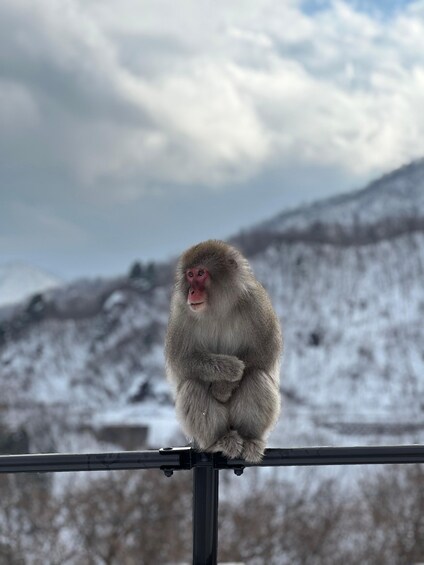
231	445
253	450
222	390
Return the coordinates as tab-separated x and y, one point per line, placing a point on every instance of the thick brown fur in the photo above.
224	362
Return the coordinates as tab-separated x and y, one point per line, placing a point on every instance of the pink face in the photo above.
197	293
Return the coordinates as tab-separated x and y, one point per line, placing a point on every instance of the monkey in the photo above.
223	347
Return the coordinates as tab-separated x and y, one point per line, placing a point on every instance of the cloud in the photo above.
17	108
39	225
209	129
192	95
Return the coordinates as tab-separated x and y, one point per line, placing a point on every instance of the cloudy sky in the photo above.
133	129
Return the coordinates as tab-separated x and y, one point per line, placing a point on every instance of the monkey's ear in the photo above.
232	263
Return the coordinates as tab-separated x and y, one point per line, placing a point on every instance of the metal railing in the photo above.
206	469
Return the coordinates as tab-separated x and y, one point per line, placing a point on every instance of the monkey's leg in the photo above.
230	444
222	390
254	408
202	417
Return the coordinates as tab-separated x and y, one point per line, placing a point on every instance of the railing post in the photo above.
205	510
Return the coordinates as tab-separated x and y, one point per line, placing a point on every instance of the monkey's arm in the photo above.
187	358
211	367
206	367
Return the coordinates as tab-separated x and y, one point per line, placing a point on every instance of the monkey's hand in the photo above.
224	368
223	390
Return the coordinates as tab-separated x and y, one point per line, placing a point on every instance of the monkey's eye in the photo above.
190	274
201	273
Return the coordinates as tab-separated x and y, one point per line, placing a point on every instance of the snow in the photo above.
18	281
160	420
115	300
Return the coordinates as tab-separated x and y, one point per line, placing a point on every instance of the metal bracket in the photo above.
185	459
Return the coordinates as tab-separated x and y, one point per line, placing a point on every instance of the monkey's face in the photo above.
210	277
198	279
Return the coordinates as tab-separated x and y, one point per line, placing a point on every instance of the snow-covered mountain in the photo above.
346	277
388	207
18	281
396	196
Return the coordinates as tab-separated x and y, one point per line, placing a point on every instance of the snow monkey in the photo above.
223	349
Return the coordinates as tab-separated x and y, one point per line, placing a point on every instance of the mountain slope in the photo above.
387	208
396	196
91	352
